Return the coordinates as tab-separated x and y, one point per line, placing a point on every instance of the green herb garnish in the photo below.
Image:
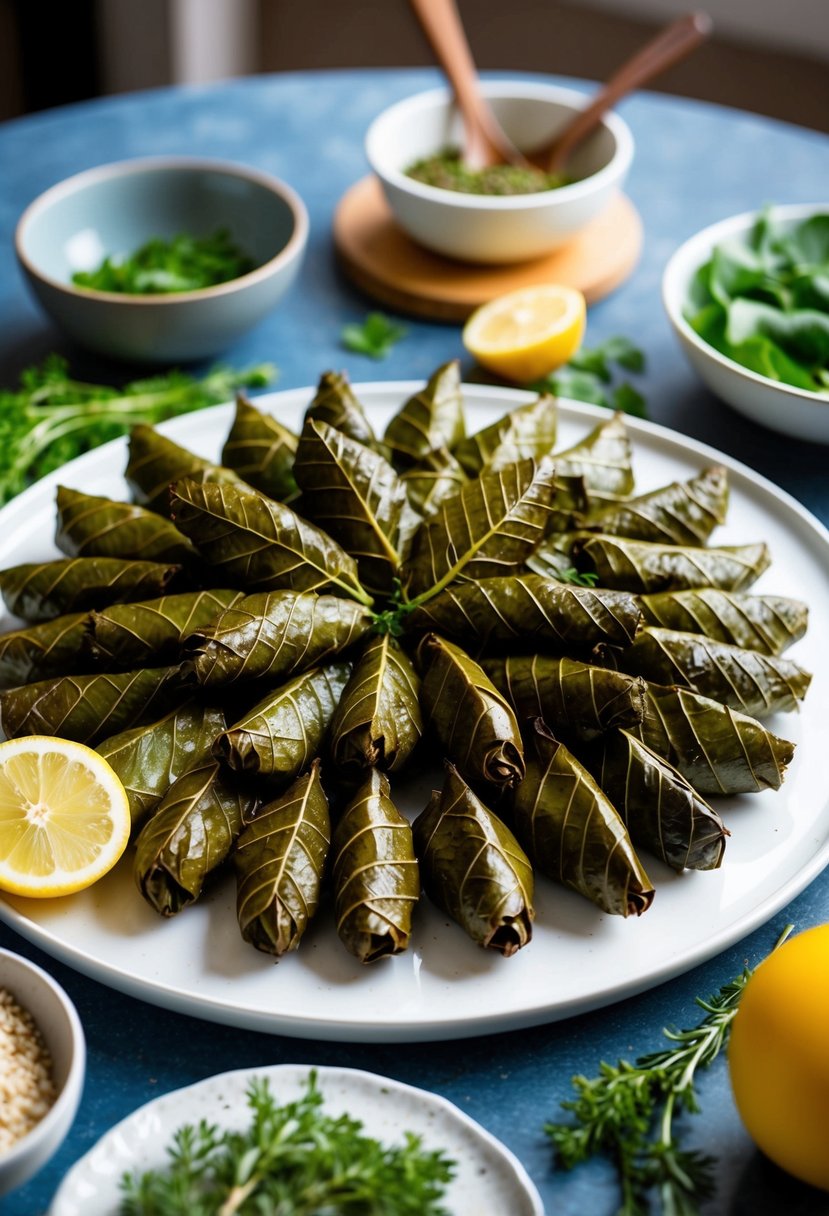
184	263
627	1113
579	578
764	302
52	418
590	375
292	1160
375	336
447	171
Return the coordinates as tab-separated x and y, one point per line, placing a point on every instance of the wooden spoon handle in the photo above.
441	23
670	45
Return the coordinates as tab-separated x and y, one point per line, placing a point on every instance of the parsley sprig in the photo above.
292	1160
375	336
628	1113
51	417
592	375
183	263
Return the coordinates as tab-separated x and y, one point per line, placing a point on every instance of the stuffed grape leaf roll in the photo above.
150	632
155	462
335	403
280	858
282	734
647	566
473	867
188	837
261	451
41	591
528	432
431	418
602	459
573	833
375	873
90	526
41	652
682	513
768	623
273	635
473	721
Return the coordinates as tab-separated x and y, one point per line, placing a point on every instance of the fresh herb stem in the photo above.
374	337
628	1112
51	418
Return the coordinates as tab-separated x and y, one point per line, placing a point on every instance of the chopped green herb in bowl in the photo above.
183	263
448	171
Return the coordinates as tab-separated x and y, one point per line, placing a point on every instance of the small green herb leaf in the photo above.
570	574
184	263
590	375
374	337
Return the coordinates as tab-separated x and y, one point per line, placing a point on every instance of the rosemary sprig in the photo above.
628	1113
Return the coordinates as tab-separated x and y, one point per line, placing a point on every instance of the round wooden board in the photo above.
387	265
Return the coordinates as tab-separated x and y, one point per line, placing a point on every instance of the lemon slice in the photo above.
526	334
64	816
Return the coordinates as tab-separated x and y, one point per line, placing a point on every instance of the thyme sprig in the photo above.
628	1112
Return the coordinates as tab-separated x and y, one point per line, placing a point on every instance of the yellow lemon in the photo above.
64	816
526	334
778	1056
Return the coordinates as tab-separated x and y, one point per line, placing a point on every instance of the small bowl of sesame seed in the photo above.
42	1064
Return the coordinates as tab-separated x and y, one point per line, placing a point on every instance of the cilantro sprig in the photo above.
51	417
592	375
183	263
374	337
292	1160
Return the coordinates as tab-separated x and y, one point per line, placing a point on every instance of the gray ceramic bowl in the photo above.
114	209
60	1026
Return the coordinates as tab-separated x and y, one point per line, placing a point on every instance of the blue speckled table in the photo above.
694	164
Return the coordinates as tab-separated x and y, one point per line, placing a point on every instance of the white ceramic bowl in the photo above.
114	209
483	228
63	1035
794	411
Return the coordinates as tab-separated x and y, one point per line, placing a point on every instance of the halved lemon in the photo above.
64	816
527	334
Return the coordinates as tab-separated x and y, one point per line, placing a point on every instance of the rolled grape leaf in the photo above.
682	513
280	858
432	418
188	837
474	869
280	736
528	432
716	748
377	723
575	698
768	623
572	831
261	451
472	719
40	652
354	494
88	708
148	759
375	873
41	591
757	684
255	543
662	811
534	611
155	462
89	526
602	459
436	477
273	636
645	566
150	633
489	528
336	404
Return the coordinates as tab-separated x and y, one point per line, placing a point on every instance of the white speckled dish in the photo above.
489	1180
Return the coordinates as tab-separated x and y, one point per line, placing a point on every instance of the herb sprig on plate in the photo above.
294	1160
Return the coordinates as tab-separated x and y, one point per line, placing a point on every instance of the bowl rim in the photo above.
68	1098
525	90
143	164
687	259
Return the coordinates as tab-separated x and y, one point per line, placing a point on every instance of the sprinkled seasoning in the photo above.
26	1087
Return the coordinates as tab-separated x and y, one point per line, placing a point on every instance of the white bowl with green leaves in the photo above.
748	299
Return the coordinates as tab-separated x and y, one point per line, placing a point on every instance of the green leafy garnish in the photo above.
184	263
292	1160
580	578
764	301
627	1113
375	336
52	418
590	375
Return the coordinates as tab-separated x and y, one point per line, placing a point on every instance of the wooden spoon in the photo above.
670	45
485	143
